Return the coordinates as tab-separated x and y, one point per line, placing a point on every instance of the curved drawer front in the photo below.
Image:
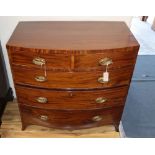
50	99
70	119
54	61
77	80
119	58
67	61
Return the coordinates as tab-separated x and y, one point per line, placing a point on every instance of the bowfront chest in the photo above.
72	75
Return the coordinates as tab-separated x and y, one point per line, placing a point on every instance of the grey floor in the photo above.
145	36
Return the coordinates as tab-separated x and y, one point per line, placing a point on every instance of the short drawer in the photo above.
64	80
97	61
33	59
71	119
71	100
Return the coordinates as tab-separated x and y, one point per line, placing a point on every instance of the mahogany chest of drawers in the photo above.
72	75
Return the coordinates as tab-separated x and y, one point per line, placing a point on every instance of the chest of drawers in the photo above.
72	75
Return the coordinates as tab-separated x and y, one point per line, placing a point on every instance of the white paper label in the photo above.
106	76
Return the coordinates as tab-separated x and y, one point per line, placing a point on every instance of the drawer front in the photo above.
119	59
30	59
75	80
70	119
71	99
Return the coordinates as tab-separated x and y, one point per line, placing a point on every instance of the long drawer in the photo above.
75	80
70	119
50	99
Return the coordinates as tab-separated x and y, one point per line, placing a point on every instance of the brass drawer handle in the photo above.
42	99
101	80
40	78
101	100
105	61
44	117
97	118
38	61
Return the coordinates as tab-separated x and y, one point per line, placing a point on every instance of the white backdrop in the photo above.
8	24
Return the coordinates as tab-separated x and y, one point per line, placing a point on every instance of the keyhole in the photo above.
70	94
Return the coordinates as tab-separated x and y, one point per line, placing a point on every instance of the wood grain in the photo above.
69	119
40	134
72	35
71	80
120	58
75	62
11	128
54	61
71	100
72	51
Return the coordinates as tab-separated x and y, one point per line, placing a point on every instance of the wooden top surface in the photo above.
72	35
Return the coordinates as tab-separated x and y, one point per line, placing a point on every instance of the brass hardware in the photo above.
40	78
38	61
42	99
42	63
101	80
101	100
44	117
97	118
105	61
